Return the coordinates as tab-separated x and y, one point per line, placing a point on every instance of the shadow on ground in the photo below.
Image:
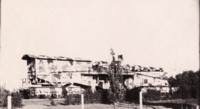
172	105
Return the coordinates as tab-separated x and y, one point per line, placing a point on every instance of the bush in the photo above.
3	97
89	97
54	96
152	95
72	99
132	95
16	99
25	93
15	96
67	100
97	97
41	96
107	96
92	97
52	102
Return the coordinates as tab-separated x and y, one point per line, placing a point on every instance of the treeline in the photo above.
185	85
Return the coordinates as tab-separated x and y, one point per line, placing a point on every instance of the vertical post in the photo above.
82	101
9	104
141	107
197	107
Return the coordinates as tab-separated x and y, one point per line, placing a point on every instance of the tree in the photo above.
172	83
187	83
117	90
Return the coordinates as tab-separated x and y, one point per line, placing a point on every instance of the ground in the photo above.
45	104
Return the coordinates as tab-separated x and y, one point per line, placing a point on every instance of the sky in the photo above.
158	33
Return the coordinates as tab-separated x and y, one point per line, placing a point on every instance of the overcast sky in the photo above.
158	33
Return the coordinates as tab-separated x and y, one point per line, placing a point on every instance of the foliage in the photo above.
152	95
16	98
92	97
72	99
67	100
187	84
132	95
64	91
42	96
117	90
105	96
89	97
3	95
52	102
25	93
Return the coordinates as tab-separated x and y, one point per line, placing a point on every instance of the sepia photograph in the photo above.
99	54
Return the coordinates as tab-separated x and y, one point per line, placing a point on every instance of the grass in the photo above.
175	104
46	104
178	101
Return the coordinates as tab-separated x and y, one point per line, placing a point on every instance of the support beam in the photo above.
9	103
82	101
197	106
141	105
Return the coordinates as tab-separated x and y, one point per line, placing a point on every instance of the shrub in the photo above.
25	93
97	96
52	102
107	96
152	95
132	95
67	100
42	96
92	97
89	97
3	96
54	96
72	99
15	98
